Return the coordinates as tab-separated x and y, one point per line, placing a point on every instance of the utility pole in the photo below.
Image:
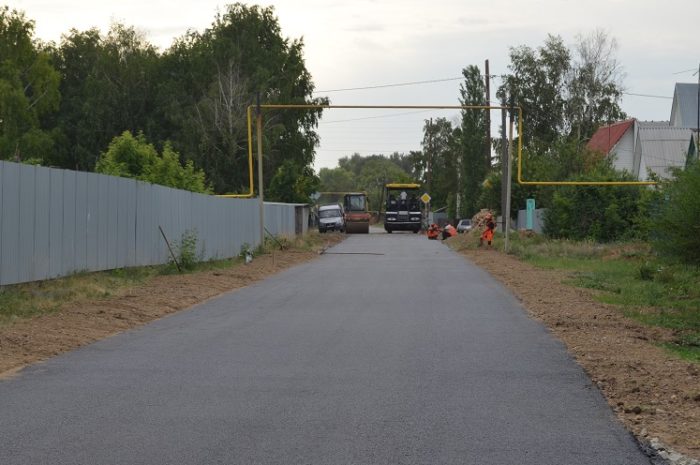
261	200
430	162
506	215
504	164
488	115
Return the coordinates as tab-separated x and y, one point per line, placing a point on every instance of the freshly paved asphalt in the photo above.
410	357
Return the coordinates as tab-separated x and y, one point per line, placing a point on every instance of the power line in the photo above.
402	84
448	79
374	117
381	86
647	95
686	71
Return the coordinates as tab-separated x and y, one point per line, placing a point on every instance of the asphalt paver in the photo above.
388	349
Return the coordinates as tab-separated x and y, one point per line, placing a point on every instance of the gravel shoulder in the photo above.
656	395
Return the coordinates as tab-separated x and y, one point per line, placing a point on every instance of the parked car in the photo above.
464	226
330	218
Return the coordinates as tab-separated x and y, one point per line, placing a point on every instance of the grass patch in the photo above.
35	298
687	347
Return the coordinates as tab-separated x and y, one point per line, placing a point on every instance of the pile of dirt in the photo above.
655	394
27	341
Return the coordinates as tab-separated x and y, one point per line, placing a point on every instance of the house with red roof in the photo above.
617	138
640	147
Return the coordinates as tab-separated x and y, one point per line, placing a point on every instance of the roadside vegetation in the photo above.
652	289
42	297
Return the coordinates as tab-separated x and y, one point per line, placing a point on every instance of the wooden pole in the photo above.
506	214
487	81
504	164
261	198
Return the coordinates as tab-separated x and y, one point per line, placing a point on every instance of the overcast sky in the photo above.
365	42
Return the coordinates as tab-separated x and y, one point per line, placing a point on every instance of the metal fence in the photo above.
56	222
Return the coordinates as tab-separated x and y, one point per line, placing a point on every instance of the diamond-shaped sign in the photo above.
425	198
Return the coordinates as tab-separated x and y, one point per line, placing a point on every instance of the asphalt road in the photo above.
389	349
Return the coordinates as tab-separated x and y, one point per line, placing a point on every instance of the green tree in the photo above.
108	87
28	89
293	183
133	157
473	163
213	76
563	93
537	84
375	173
336	180
368	174
594	87
440	158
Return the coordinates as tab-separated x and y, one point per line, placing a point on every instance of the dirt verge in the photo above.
655	394
30	340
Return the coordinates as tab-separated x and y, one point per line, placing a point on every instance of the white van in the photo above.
330	218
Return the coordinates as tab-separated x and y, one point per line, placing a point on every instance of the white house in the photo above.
642	146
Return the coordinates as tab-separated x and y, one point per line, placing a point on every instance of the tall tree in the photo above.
108	86
537	84
28	89
441	161
472	164
594	85
216	74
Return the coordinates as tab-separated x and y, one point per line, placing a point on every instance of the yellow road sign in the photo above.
425	198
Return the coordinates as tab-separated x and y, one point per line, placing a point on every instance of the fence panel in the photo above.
68	247
55	222
81	230
42	225
27	185
92	222
9	271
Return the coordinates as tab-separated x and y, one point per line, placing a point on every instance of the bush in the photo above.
187	250
133	157
677	231
598	213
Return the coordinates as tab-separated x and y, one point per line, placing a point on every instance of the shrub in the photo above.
598	213
677	230
133	157
187	250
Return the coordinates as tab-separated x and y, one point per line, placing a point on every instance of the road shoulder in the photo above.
30	340
655	395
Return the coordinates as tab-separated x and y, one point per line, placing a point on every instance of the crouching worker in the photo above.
487	235
433	231
448	231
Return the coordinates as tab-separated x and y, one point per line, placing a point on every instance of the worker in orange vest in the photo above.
487	235
448	231
433	231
